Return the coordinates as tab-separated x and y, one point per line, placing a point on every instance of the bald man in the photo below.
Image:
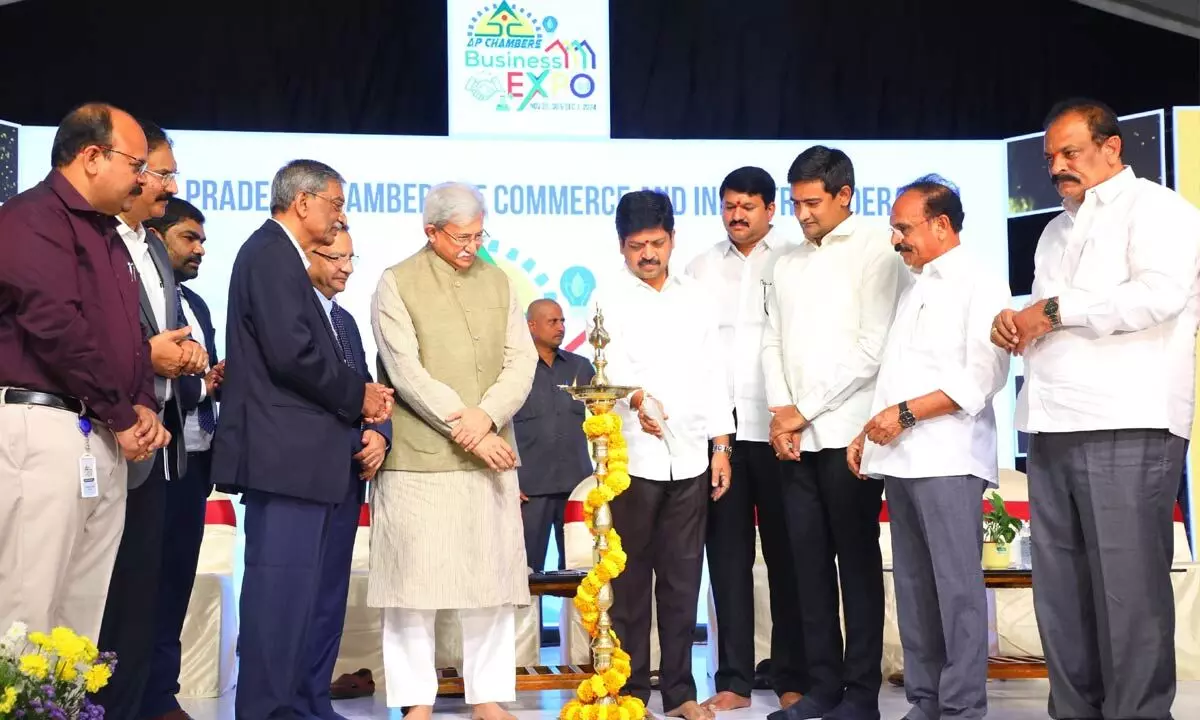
550	439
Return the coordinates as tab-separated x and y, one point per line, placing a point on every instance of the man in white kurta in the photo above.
933	442
446	519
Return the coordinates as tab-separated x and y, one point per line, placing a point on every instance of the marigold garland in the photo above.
614	481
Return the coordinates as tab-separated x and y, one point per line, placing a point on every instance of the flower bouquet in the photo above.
50	675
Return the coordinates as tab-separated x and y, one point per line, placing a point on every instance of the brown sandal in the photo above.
353	685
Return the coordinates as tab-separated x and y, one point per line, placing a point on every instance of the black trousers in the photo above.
756	487
130	613
661	525
185	503
834	516
538	516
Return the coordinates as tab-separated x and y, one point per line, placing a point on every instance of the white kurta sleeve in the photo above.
396	338
506	396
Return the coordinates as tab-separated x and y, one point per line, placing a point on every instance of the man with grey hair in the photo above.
446	520
289	403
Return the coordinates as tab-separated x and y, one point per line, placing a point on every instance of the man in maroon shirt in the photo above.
76	386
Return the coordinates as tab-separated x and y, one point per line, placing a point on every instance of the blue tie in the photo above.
206	414
339	319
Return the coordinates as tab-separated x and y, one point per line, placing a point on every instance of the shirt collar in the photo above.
946	264
326	303
299	250
1106	191
672	280
68	194
768	243
844	229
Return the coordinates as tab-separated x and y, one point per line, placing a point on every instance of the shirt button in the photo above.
476	338
458	283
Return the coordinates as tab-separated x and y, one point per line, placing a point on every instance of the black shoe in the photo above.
850	710
809	708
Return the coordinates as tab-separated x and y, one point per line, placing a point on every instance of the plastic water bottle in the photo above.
1025	542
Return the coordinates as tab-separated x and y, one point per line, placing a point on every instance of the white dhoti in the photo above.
489	655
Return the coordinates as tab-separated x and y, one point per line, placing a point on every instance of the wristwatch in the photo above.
907	419
727	449
1050	310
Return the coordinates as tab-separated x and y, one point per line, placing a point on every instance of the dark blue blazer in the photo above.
288	400
189	386
360	361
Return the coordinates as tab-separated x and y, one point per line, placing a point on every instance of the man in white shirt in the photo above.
128	628
181	231
828	315
737	272
665	340
1109	344
933	442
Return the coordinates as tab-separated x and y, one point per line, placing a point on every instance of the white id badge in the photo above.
88	487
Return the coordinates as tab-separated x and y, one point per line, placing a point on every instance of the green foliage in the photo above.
998	526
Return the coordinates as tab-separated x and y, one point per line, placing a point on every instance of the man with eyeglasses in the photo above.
330	267
128	627
77	398
446	518
288	405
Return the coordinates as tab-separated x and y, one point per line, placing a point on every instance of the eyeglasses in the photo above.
905	231
464	240
337	203
139	166
338	259
166	178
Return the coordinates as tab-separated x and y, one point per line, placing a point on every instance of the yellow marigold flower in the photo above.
606	492
594	498
635	707
591	616
570	711
34	666
584	692
613	682
590	712
10	700
96	677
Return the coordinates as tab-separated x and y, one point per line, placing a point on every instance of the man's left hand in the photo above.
722	475
1031	323
472	426
884	427
786	419
370	458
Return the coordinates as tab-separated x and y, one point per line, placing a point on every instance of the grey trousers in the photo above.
1102	505
941	602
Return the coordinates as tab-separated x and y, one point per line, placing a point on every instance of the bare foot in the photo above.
419	712
726	700
690	710
490	711
789	699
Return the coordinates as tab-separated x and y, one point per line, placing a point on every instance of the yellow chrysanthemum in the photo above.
96	677
41	640
65	671
67	645
34	666
90	651
10	700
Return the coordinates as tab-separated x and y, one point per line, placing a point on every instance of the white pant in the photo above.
489	655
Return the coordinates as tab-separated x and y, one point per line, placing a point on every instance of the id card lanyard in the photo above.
88	485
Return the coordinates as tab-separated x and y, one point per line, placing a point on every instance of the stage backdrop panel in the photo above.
551	203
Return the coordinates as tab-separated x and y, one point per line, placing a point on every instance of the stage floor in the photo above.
1007	700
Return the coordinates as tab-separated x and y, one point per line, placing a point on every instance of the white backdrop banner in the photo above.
551	204
528	68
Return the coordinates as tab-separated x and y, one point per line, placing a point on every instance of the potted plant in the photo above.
999	530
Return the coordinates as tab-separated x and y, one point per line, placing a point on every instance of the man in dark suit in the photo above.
128	626
181	230
329	270
288	402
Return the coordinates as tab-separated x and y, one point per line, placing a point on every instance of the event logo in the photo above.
576	284
522	62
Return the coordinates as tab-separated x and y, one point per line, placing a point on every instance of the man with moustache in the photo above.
453	342
181	230
329	269
738	271
289	404
77	395
1109	345
828	315
129	615
549	431
933	442
665	339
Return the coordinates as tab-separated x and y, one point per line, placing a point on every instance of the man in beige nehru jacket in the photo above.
446	518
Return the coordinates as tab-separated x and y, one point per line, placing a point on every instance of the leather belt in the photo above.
17	396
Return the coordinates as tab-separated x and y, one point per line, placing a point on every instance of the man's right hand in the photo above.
214	378
497	453
166	354
145	437
377	403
